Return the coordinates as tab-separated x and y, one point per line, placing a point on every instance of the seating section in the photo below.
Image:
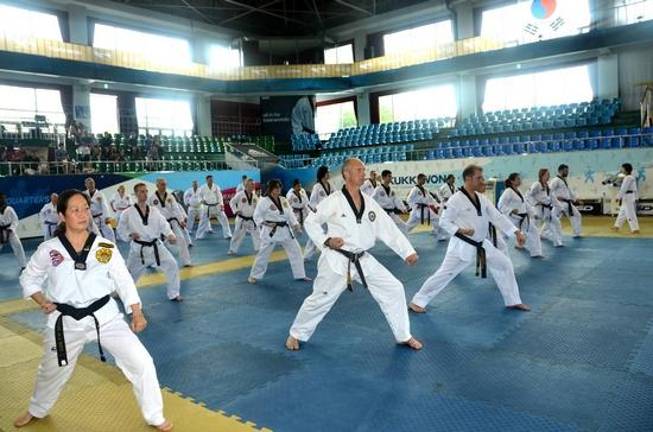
391	153
593	139
539	118
296	160
304	142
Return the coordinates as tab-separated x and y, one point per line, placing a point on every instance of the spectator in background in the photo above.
61	158
106	140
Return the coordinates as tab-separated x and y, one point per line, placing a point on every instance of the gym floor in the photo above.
582	360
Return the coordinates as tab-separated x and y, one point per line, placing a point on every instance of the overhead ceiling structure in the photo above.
273	17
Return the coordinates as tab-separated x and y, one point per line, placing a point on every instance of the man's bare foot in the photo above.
231	253
251	280
292	344
413	344
636	232
24	419
538	256
521	307
305	279
417	309
177	299
165	426
614	228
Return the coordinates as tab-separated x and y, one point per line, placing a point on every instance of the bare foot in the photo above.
165	426
417	309
413	344
292	344
177	299
24	419
538	256
305	279
614	228
521	307
636	232
231	253
251	280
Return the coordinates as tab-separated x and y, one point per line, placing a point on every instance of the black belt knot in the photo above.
77	314
4	233
481	259
279	224
153	244
354	258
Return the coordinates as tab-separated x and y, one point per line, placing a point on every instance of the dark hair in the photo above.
451	177
322	171
137	185
296	182
244	177
208	176
62	206
511	178
2	195
561	167
385	173
627	167
273	184
541	173
421	176
470	170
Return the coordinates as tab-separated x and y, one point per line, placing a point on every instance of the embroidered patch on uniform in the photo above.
105	245
382	193
294	200
322	194
55	257
244	200
285	204
156	201
272	207
103	255
372	216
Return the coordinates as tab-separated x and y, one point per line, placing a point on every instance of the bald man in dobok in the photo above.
467	218
354	221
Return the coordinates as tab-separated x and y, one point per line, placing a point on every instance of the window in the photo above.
153	47
164	116
104	113
633	11
223	58
418	38
430	102
555	87
339	55
331	118
21	104
516	22
17	23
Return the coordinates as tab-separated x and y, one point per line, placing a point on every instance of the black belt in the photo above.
423	207
279	224
629	192
208	208
97	215
77	314
301	214
393	211
174	219
246	218
355	259
153	244
549	206
493	233
570	207
481	260
50	225
4	233
523	217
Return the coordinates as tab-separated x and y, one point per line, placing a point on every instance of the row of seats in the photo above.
304	142
549	111
392	153
293	160
378	139
181	164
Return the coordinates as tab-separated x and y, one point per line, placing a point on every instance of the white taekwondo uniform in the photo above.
369	187
267	214
319	192
461	212
49	220
8	226
513	204
560	189
445	192
389	202
73	281
100	212
628	195
299	203
243	206
174	213
359	229
148	250
193	200
545	203
422	202
120	203
212	206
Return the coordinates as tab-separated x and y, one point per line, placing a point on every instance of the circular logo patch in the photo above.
103	255
55	257
244	200
156	201
322	194
372	216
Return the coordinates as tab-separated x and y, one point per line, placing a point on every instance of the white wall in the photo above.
635	66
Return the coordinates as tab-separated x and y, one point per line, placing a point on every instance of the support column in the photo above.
82	105
78	24
607	76
363	108
464	21
467	97
360	40
203	115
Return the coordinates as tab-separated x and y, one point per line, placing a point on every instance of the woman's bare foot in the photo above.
165	426
614	228
24	419
251	280
520	307
305	279
413	344
417	309
292	344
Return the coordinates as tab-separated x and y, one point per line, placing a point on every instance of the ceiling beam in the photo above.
354	7
252	9
198	12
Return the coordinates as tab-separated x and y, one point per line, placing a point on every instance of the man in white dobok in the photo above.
354	221
467	218
560	189
212	207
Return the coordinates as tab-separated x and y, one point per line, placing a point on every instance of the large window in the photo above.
330	118
430	102
164	116
417	38
632	11
18	23
339	55
153	47
21	104
104	113
222	58
553	87
517	23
